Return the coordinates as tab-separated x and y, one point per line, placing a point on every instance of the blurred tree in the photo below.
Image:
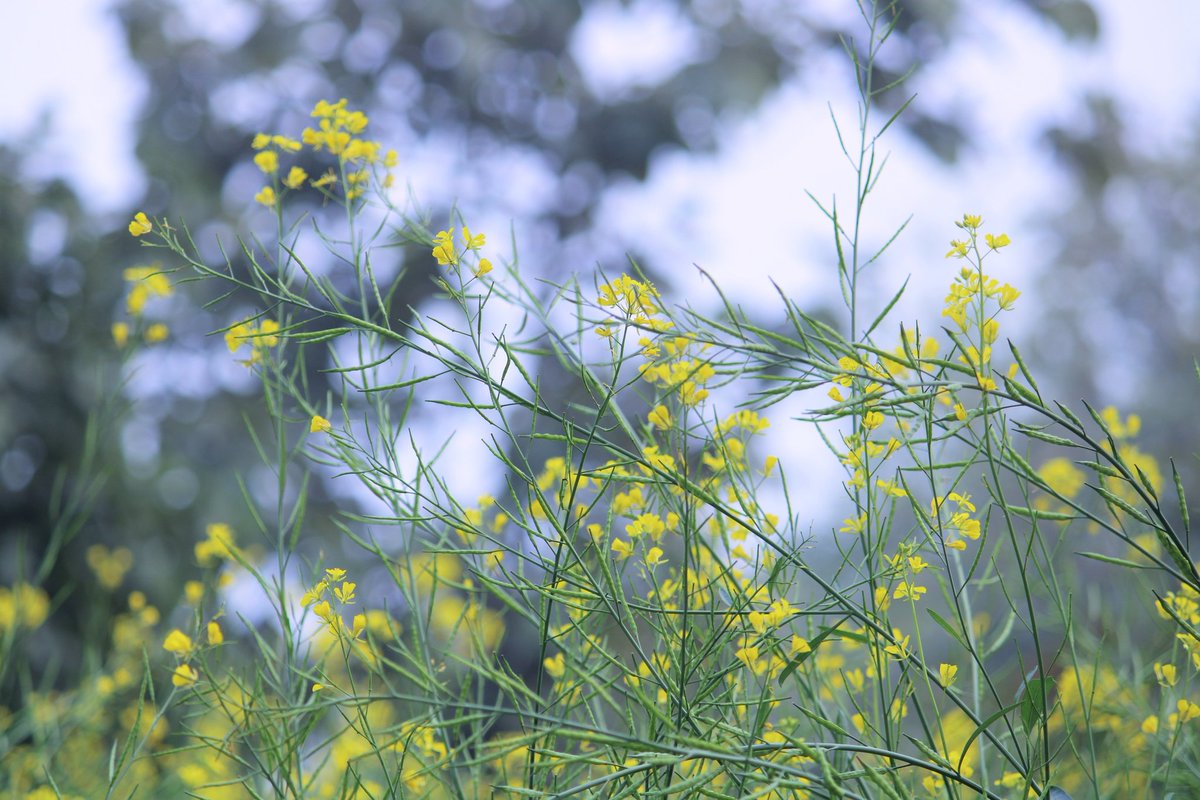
505	93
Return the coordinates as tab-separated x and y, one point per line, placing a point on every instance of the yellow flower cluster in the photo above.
218	545
145	284
446	254
180	645
260	337
337	132
109	566
967	302
23	606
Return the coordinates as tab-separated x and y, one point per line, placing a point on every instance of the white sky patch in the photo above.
1005	76
70	59
1148	59
623	47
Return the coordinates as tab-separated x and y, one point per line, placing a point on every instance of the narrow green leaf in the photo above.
1034	701
955	634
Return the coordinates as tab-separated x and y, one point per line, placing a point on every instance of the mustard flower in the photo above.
854	524
556	666
473	241
996	242
267	161
898	649
958	249
443	248
295	178
120	333
948	674
622	549
345	592
177	642
1166	674
319	425
215	634
184	675
218	545
108	566
266	197
140	225
157	332
483	268
145	283
24	605
1188	711
193	592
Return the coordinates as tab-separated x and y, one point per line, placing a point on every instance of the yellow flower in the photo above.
622	549
319	425
899	648
120	333
484	267
184	675
141	225
109	566
1166	674
178	642
345	592
215	635
996	242
654	557
556	667
660	417
157	332
218	545
335	573
853	524
443	248
958	249
1188	711
193	591
266	196
473	241
948	674
23	605
267	161
295	178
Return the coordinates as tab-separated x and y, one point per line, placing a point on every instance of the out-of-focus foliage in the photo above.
494	83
